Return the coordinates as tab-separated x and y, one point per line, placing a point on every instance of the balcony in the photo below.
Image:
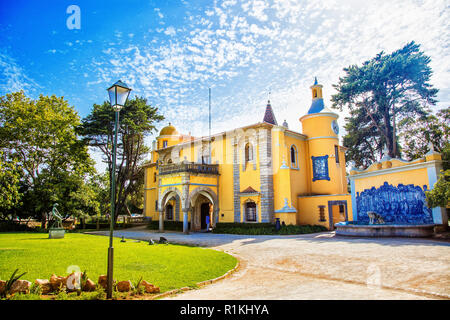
189	167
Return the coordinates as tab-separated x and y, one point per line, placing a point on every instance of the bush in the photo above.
103	225
265	229
12	226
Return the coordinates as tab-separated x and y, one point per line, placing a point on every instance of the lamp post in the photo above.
118	95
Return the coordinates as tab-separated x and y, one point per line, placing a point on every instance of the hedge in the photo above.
168	225
265	229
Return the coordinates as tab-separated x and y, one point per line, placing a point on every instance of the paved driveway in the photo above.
320	266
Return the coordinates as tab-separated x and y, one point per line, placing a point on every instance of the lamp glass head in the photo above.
118	94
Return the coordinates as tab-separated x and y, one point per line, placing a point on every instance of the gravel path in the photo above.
320	266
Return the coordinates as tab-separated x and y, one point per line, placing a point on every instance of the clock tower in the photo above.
324	154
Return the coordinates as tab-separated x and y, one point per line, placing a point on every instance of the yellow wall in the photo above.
298	177
309	208
417	177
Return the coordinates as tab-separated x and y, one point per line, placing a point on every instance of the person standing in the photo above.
207	222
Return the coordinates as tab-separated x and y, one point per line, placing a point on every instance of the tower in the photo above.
324	156
269	116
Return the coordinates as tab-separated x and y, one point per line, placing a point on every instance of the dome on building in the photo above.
170	130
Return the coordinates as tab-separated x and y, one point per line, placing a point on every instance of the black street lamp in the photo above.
118	95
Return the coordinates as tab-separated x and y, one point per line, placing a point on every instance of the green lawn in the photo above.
167	266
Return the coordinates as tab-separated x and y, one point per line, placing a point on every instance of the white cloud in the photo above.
240	49
13	77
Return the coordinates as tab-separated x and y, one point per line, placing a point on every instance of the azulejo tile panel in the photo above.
404	204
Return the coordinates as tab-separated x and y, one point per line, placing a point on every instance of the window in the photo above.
165	144
250	211
248	152
322	214
154	177
206	160
315	93
156	205
294	160
341	209
336	153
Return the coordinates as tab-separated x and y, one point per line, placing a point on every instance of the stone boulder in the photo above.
2	286
57	282
124	286
103	281
89	285
149	288
20	286
45	285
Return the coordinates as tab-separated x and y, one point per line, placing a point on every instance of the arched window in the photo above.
250	211
248	152
294	157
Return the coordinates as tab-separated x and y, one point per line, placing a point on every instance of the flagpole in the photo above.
210	159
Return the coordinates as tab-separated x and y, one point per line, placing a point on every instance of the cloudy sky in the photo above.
171	52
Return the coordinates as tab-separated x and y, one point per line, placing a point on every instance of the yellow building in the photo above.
255	173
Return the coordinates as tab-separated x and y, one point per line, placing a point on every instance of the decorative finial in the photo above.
315	81
385	155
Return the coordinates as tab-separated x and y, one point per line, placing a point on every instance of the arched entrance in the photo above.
204	205
169	206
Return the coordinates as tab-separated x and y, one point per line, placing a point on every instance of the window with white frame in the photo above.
294	157
248	152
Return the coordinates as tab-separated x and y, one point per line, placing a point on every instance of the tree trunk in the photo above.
43	221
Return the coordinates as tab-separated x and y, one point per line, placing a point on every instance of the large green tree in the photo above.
379	94
137	120
39	135
418	135
9	186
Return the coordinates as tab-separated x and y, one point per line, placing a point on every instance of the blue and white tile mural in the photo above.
320	168
404	204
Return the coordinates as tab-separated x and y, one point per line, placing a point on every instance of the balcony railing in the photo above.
189	167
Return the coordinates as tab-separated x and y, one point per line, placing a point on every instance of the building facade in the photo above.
255	173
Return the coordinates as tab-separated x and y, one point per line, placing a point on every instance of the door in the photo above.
337	212
204	209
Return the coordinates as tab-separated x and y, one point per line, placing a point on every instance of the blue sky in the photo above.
171	51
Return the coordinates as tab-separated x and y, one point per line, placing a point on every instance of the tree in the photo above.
9	186
136	122
40	136
382	92
417	135
363	143
440	195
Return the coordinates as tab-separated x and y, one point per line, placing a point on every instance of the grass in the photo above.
167	266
